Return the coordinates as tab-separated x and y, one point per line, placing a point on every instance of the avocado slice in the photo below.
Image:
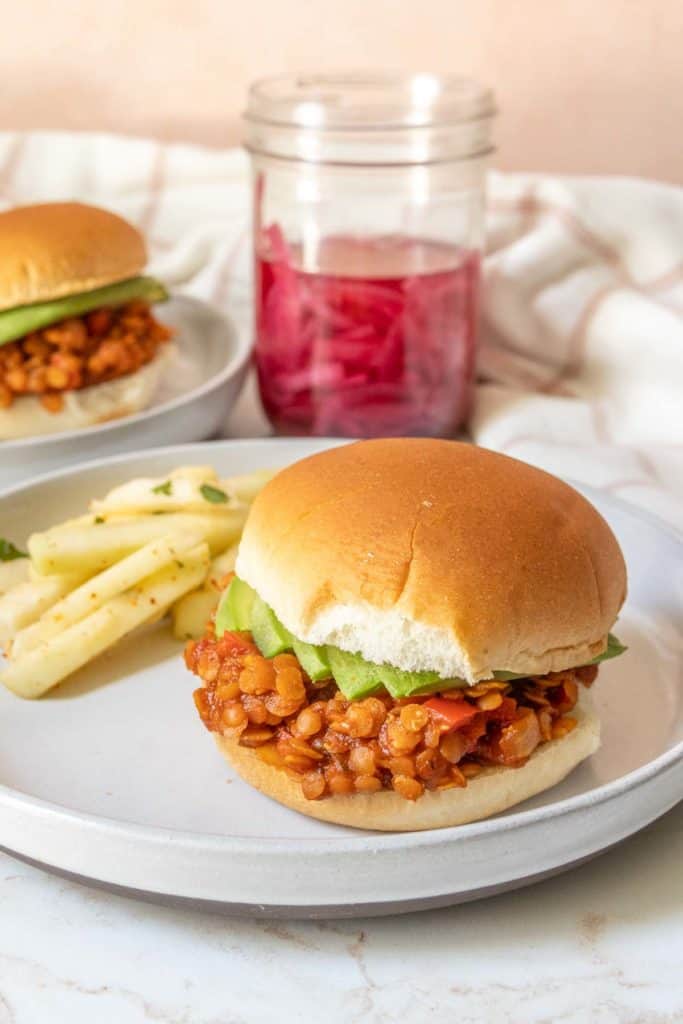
313	660
355	677
613	650
234	608
270	636
400	683
241	608
15	323
236	611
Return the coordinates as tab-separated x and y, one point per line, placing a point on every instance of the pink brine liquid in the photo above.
378	341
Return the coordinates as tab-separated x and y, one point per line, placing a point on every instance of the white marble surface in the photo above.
601	944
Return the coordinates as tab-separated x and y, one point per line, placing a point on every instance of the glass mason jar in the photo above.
368	227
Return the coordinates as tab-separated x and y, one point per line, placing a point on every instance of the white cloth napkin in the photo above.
582	338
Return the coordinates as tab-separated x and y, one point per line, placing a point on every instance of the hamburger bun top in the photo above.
51	250
435	555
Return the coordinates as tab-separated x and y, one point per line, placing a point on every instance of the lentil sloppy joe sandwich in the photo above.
78	342
410	635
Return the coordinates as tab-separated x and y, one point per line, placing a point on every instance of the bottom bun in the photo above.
27	417
491	792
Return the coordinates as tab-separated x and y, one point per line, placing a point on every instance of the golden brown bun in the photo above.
26	417
495	790
435	555
51	250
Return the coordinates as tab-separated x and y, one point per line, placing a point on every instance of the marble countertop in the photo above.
600	944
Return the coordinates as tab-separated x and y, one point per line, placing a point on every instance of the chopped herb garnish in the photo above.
98	520
8	551
213	494
165	488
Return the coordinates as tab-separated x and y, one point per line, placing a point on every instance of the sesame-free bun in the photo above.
435	555
87	407
51	250
494	790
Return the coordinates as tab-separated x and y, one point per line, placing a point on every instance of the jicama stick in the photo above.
192	612
194	473
12	573
182	491
142	497
220	566
91	595
246	486
40	669
27	601
96	546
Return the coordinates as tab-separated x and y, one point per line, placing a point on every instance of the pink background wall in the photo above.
584	85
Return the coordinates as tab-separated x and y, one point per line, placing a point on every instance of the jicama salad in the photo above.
148	548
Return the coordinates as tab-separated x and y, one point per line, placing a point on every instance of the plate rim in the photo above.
241	354
346	843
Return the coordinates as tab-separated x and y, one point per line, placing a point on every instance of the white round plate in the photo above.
114	780
201	379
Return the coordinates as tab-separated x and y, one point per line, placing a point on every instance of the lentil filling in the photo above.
331	745
79	352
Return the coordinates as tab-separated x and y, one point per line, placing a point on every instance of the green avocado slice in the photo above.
241	608
314	660
270	636
355	677
234	608
400	683
15	323
613	650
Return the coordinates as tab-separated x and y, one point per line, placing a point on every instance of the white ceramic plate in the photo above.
200	382
113	779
